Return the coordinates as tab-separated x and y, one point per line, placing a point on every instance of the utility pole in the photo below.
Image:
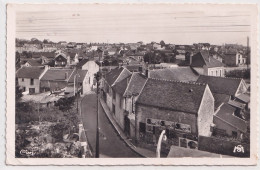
247	53
97	76
77	92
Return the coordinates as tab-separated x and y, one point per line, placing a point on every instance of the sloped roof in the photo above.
133	68
220	98
244	97
57	74
135	85
33	62
111	76
114	74
82	75
121	86
203	58
30	72
221	85
45	54
173	95
82	62
184	74
226	113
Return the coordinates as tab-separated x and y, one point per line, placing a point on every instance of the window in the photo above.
217	73
22	79
89	80
220	73
32	82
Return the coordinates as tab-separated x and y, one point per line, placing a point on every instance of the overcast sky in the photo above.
133	23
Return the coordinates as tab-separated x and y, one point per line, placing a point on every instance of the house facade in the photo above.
234	59
109	80
61	60
29	78
55	79
204	64
184	110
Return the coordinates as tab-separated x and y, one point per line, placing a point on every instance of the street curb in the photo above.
131	146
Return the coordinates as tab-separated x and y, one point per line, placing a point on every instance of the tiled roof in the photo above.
82	62
236	104
33	62
114	74
184	74
203	58
226	113
82	75
30	72
45	54
244	97
220	98
111	76
133	68
221	85
135	84
57	74
173	95
121	86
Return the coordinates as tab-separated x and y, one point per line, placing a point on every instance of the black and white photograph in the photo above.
132	81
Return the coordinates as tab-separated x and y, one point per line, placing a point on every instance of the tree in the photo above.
162	43
45	41
66	105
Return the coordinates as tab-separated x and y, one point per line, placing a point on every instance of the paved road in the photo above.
110	143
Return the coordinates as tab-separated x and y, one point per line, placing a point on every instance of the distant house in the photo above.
92	68
217	56
204	64
157	46
45	57
55	79
234	59
33	62
61	60
224	89
184	74
135	84
138	56
226	123
80	79
29	78
184	110
48	47
109	80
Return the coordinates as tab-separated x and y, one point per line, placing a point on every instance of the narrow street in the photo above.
110	143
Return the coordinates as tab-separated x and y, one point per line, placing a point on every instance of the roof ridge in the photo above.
183	82
236	78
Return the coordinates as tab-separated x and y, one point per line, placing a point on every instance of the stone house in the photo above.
61	60
109	80
55	79
204	64
33	62
29	78
92	67
184	110
234	59
126	93
228	124
82	78
228	93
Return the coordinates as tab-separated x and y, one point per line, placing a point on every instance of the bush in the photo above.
245	74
